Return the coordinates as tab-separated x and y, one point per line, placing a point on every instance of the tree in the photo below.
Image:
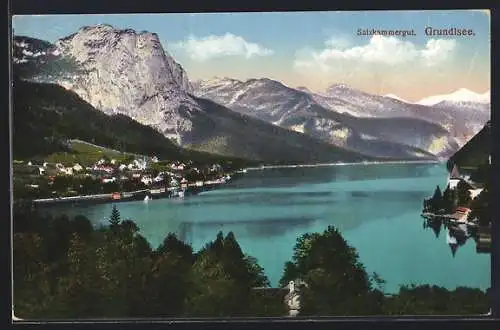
378	282
213	293
434	300
114	219
171	244
480	208
463	193
257	275
437	199
449	199
222	274
168	282
337	283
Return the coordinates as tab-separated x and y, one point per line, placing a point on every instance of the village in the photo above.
462	208
109	179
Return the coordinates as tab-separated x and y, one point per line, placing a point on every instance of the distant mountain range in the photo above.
461	95
129	73
387	128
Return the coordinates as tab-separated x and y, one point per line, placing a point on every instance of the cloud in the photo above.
338	42
202	49
385	50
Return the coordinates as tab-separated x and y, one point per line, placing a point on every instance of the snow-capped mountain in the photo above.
395	97
461	95
123	71
331	116
345	99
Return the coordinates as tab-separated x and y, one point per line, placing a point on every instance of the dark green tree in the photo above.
114	219
171	244
437	199
337	283
449	200
463	193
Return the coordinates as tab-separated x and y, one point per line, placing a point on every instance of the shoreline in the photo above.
188	189
191	189
264	167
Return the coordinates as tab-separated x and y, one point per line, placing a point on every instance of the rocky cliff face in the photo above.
128	72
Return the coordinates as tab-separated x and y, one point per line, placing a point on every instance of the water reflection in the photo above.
261	229
289	177
457	234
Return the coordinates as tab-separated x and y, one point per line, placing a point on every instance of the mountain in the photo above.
330	117
123	72
475	152
463	119
45	116
392	96
458	96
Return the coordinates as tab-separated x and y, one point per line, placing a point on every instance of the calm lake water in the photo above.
376	207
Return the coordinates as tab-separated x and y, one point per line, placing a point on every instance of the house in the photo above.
101	161
461	214
154	159
159	178
475	192
453	183
59	166
77	167
455	173
106	169
174	183
108	180
41	170
178	166
215	168
122	167
140	164
113	161
66	170
147	180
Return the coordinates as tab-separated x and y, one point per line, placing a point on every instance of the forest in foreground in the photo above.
65	269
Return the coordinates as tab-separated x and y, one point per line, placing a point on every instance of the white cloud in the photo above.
338	43
387	50
202	49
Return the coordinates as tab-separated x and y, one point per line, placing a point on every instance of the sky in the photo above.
311	49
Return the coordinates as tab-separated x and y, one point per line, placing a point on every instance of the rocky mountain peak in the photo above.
129	72
106	49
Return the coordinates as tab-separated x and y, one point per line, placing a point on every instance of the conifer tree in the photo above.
114	219
437	199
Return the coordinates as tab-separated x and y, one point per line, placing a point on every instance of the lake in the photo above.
377	208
